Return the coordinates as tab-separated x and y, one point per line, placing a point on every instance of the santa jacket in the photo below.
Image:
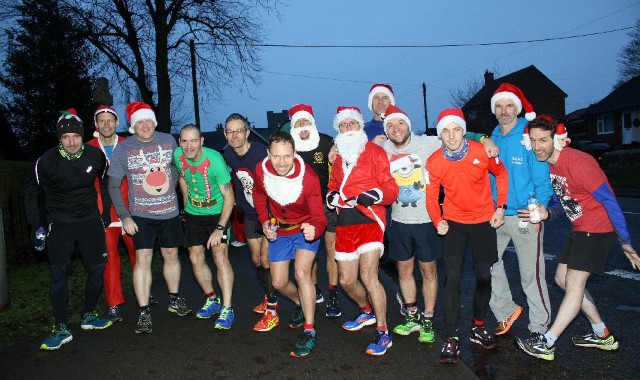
370	172
124	189
292	200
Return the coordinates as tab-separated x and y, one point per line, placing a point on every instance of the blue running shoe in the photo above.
226	318
59	336
211	306
381	341
361	320
91	321
333	308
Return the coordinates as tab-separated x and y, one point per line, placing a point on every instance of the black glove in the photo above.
39	238
367	198
331	197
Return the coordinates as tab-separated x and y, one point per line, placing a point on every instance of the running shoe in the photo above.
482	337
536	346
267	322
178	305
236	243
144	325
60	335
359	321
381	342
592	340
304	344
297	318
333	308
411	323
226	318
400	299
319	298
427	335
152	299
211	306
505	325
91	321
259	309
450	351
114	314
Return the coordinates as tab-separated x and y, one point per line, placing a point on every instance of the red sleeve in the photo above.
388	185
260	195
502	181
316	204
433	193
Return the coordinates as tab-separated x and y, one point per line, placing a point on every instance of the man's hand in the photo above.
216	238
490	147
333	153
270	235
332	199
498	218
367	198
631	255
308	230
443	227
130	226
379	139
526	214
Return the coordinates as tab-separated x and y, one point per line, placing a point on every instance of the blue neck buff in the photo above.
456	156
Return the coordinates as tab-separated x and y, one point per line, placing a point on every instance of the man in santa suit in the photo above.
360	186
290	190
315	149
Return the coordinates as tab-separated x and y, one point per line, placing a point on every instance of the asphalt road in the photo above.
188	348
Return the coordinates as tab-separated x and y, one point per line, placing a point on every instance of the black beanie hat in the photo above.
69	122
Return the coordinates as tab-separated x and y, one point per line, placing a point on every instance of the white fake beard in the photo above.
310	143
350	145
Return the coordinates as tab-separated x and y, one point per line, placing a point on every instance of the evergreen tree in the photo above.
46	71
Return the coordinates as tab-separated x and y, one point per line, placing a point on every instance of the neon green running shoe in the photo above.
427	335
411	324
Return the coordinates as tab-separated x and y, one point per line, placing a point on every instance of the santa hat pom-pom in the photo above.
530	115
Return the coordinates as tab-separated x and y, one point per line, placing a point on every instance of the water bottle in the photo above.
532	202
41	236
273	226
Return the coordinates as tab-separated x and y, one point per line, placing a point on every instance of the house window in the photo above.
626	120
604	128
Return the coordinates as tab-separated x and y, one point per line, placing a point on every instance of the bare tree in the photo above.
147	43
462	94
629	57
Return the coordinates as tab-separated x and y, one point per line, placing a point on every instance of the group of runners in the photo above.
375	186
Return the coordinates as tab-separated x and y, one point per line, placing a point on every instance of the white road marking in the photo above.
624	274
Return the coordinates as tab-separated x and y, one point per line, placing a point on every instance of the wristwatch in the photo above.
220	227
504	206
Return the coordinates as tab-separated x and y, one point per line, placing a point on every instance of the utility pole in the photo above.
196	103
426	117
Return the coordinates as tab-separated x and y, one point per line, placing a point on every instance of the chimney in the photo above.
488	77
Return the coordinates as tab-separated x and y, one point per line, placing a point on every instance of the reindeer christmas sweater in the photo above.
151	175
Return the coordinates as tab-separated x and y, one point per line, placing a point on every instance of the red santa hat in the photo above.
101	109
451	115
301	111
511	92
385	89
345	112
394	112
137	111
560	138
399	160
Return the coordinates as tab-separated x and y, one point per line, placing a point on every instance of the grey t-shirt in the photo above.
408	169
151	176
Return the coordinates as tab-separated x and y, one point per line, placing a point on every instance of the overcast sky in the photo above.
585	68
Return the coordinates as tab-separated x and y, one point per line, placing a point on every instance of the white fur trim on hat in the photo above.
142	114
302	115
399	115
385	91
448	120
346	114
